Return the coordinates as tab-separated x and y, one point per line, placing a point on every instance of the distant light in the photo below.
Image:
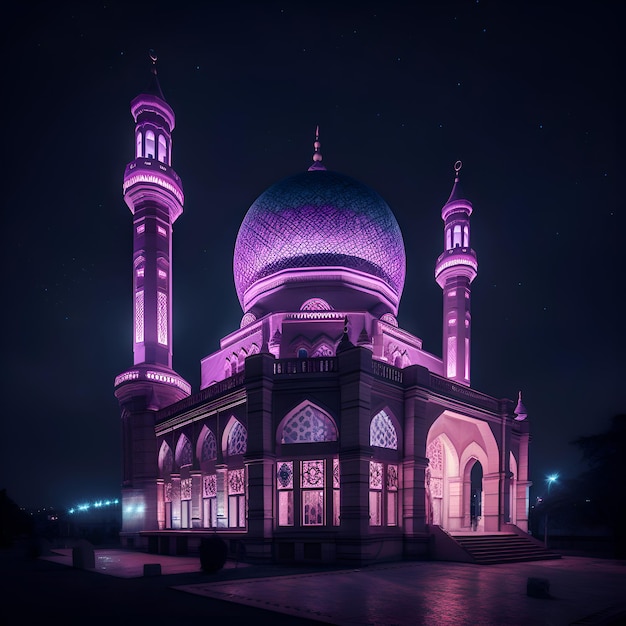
551	478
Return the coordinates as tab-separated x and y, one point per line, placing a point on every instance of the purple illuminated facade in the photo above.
322	431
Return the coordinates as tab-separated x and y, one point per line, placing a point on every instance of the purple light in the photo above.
319	219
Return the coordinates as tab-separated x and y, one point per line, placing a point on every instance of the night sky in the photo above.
525	94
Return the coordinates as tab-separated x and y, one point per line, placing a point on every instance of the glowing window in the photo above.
209	486
161	231
466	236
451	369
312	483
162	274
140	272
236	499
382	432
150	144
162	149
139	316
308	425
209	447
284	484
185	489
237	439
376	496
162	317
448	239
166	460
141	228
138	153
336	493
456	236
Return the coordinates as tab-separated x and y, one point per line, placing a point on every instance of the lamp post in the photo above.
549	479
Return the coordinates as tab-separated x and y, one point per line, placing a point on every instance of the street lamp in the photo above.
549	479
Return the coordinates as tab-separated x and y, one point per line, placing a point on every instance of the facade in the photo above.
322	431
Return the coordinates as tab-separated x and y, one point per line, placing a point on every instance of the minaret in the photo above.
455	270
153	192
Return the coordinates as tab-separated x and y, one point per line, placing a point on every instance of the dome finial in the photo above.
317	155
153	57
520	410
457	168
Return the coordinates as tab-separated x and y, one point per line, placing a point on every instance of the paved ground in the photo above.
584	590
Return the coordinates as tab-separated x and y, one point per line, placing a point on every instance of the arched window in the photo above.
150	144
237	439
302	353
456	236
308	424
184	453
448	238
166	460
209	447
466	236
162	149
382	432
138	149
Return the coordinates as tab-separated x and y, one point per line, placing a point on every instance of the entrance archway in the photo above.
455	445
475	500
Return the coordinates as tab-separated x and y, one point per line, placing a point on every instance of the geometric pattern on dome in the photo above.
319	219
382	432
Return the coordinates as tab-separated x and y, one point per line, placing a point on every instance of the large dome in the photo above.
319	219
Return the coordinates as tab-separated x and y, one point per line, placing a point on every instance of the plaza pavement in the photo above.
583	590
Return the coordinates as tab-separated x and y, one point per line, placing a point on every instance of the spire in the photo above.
317	155
457	192
154	88
345	342
520	409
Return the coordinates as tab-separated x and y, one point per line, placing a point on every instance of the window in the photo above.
308	424
237	439
209	501
302	490
284	485
162	149
236	499
138	149
209	447
162	317
382	432
383	494
456	236
312	484
139	316
150	144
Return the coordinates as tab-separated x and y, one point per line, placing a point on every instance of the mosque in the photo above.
322	431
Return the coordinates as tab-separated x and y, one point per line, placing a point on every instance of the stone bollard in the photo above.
538	588
83	555
151	569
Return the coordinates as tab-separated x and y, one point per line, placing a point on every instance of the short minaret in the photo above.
153	192
455	270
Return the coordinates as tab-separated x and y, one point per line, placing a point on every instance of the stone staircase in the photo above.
489	549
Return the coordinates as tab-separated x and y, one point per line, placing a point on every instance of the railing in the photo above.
305	366
386	371
465	393
217	389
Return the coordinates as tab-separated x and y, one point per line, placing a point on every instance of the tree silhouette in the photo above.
605	454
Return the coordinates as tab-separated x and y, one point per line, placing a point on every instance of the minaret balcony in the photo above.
456	261
145	173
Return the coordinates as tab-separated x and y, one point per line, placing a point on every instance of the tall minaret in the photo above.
455	270
153	192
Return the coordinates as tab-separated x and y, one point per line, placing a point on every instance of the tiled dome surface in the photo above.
319	219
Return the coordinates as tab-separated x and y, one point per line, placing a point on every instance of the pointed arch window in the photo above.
308	424
150	144
237	439
382	432
184	453
209	447
162	149
456	236
138	149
